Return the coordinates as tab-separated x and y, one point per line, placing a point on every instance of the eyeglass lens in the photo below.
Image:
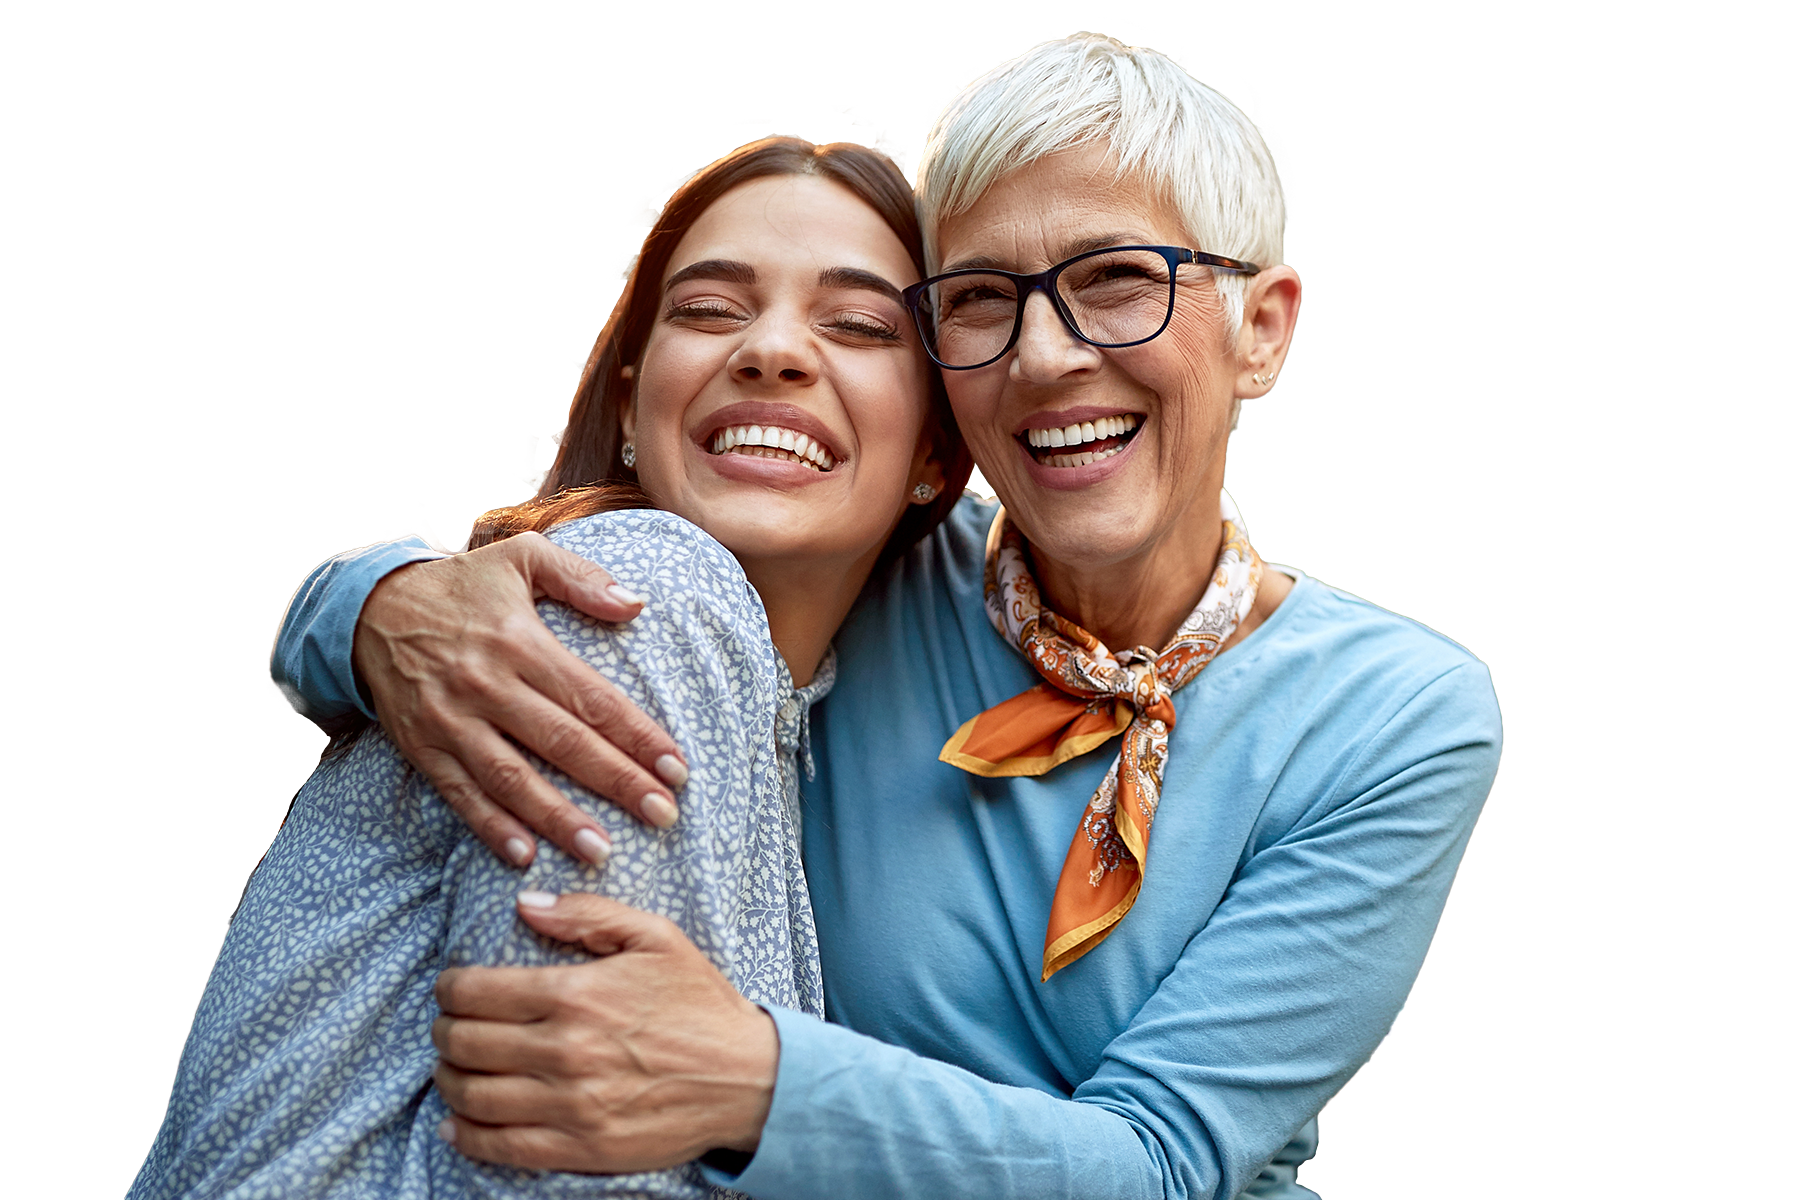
1113	298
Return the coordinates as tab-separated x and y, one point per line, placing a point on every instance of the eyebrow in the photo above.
724	269
1098	241
852	277
732	271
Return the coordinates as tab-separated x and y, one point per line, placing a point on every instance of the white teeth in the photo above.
1083	459
761	439
1084	431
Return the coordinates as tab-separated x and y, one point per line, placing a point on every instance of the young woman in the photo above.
756	429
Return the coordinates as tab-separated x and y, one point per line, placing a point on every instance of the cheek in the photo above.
673	372
1193	374
890	407
975	399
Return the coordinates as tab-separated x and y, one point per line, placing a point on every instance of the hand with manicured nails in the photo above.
642	1059
458	662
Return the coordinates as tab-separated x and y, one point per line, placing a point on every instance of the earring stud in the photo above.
628	455
924	493
1264	380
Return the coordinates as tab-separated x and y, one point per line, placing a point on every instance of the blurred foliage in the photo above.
231	492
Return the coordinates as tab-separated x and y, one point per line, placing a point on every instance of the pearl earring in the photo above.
924	493
628	455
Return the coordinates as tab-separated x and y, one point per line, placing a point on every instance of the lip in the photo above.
1062	417
1074	479
769	412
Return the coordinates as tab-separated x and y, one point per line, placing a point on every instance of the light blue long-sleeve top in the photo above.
308	1070
1324	776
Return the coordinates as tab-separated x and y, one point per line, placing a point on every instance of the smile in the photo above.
1081	443
773	441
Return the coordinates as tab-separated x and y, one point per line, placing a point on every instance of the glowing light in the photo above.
1482	493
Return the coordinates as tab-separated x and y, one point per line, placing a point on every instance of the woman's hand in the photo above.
639	1060
456	659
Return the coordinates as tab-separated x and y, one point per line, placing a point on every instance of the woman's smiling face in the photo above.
1146	456
782	396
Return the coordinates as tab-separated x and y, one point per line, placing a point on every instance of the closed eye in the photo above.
703	310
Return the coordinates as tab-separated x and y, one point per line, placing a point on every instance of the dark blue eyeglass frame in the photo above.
1045	281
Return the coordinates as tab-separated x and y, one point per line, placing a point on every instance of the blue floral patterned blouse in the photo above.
308	1069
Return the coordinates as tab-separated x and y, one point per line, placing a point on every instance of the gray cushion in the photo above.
179	902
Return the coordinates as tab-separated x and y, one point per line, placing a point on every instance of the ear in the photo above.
628	410
1271	309
926	469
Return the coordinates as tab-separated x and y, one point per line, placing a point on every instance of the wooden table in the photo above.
1392	1080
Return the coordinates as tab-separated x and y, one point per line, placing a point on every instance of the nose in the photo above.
1046	350
777	347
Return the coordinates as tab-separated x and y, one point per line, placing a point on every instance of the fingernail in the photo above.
672	770
659	810
593	847
447	1130
623	595
535	899
519	850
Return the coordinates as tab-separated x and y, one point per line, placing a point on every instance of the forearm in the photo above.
855	1117
311	660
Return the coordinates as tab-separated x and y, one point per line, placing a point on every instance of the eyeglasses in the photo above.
1120	296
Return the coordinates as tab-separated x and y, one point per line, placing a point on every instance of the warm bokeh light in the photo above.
1482	493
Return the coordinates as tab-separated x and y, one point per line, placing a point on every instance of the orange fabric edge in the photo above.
1065	750
1069	947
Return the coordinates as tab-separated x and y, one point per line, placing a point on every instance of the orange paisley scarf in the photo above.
1089	695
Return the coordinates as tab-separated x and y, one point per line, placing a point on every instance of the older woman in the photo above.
1109	904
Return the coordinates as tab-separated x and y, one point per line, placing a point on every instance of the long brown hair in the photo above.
593	439
585	472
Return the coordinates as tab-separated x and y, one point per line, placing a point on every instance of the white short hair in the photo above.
1188	141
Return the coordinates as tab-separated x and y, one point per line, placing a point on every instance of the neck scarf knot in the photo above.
1089	695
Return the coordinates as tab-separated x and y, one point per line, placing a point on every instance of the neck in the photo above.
1142	599
806	602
